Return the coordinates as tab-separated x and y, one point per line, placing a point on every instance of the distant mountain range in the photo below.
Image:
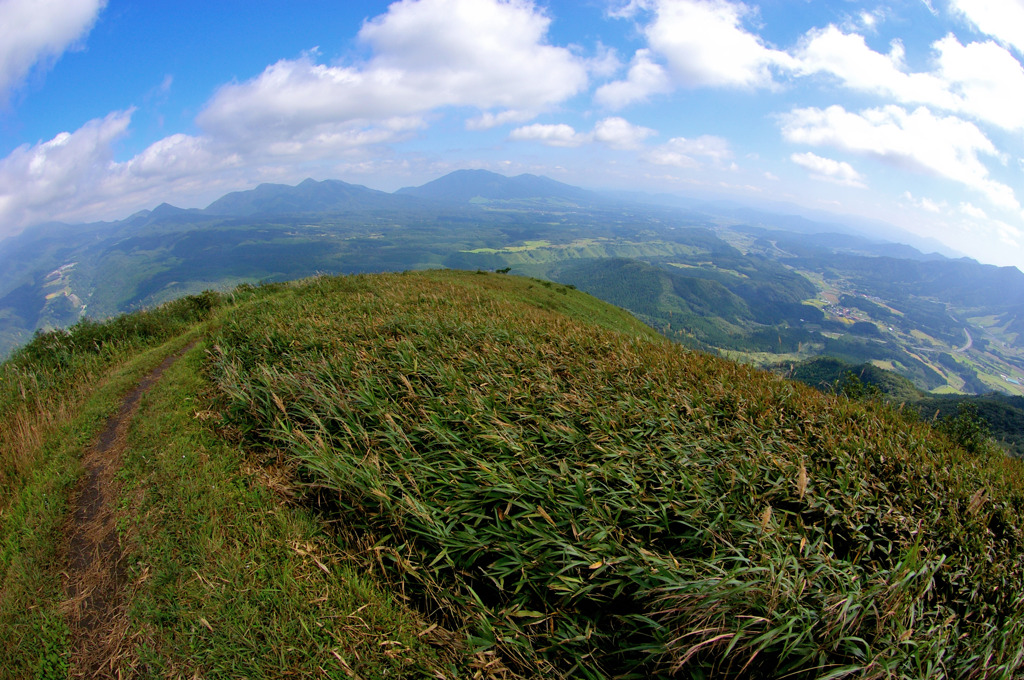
763	285
307	197
468	186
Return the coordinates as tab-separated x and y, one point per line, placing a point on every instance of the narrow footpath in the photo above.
95	577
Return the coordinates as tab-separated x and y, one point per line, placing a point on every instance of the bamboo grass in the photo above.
589	501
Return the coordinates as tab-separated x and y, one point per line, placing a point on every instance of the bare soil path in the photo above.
94	574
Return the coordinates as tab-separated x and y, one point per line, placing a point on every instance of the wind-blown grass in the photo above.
589	501
229	582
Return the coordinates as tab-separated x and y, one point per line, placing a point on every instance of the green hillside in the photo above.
456	474
719	279
1002	415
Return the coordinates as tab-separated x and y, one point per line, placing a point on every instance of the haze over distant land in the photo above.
903	111
765	287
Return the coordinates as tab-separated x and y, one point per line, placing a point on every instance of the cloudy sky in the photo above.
911	111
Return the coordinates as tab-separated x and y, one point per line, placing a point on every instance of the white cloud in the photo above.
617	133
175	156
626	9
52	179
980	80
869	20
1008	234
973	211
925	203
1001	19
829	170
644	79
74	176
848	57
552	135
488	120
996	236
474	52
427	54
605	63
703	44
985	80
917	140
683	153
35	31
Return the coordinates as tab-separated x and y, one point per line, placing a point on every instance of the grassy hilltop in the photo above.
455	474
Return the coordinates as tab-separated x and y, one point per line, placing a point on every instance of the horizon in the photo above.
907	112
923	245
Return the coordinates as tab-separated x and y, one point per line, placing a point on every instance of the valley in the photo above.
747	289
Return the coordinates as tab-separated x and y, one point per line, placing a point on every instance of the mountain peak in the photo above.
468	184
309	196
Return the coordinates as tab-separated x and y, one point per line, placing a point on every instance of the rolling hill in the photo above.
757	286
466	474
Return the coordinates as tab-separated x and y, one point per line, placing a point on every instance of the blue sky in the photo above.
910	111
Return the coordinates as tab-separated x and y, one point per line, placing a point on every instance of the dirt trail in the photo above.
95	576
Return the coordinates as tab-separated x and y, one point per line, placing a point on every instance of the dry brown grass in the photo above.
27	425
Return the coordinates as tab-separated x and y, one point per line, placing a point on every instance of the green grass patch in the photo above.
527	245
708	267
588	503
55	395
233	581
33	636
